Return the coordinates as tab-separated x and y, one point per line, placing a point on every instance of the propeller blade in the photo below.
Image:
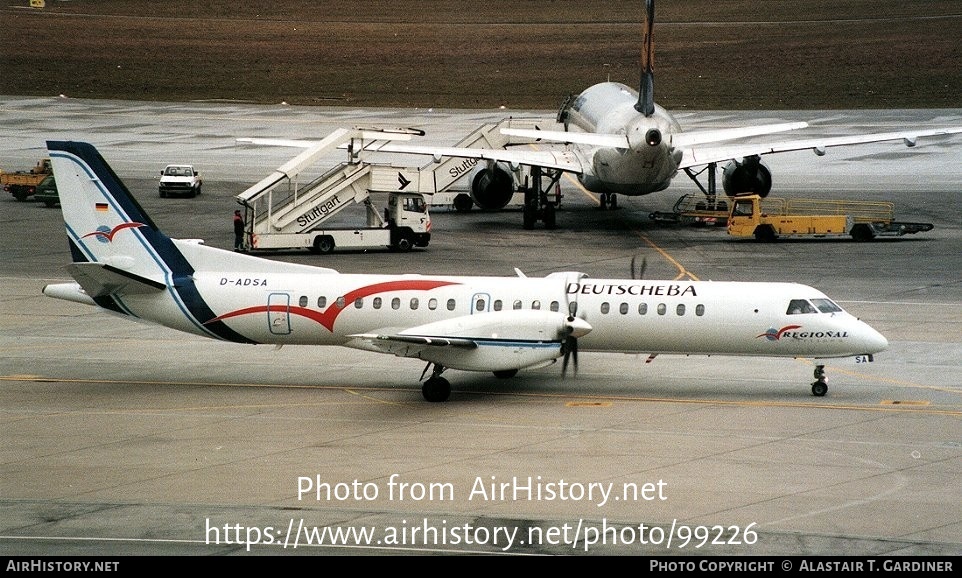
641	273
570	354
574	356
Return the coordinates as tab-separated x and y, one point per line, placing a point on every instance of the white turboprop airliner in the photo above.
123	263
626	144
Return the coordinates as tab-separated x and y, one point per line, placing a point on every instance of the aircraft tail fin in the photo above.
646	92
106	225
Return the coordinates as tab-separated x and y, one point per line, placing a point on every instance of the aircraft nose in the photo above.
873	340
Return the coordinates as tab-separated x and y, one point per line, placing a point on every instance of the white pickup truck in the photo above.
179	180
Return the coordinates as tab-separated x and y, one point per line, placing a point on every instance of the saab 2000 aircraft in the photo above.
626	144
124	264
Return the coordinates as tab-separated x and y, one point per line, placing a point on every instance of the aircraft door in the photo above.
279	313
480	303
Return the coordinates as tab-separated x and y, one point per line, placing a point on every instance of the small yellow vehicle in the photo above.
22	184
769	218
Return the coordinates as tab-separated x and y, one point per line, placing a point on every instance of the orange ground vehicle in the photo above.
22	184
769	218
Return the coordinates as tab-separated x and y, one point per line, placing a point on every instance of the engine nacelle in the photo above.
748	176
492	186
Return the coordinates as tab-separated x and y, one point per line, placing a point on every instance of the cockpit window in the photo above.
826	306
800	306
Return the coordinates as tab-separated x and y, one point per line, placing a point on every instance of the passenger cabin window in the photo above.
799	307
680	310
479	305
662	308
396	303
451	304
605	307
497	305
377	303
623	309
642	309
340	302
826	306
555	306
302	301
699	310
432	304
358	303
321	302
414	303
517	305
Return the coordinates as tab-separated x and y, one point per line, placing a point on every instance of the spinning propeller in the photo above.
640	273
574	328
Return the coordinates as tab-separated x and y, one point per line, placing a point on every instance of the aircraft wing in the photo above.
410	345
682	139
481	341
702	156
559	159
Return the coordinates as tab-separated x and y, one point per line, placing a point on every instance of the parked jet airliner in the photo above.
124	264
624	143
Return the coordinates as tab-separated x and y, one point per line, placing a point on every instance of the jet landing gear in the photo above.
711	193
436	388
608	201
537	205
820	385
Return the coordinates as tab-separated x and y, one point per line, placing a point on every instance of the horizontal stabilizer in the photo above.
99	279
619	141
679	140
687	139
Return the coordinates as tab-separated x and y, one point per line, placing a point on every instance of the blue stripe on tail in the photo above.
177	270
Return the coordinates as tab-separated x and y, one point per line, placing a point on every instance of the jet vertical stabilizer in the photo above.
646	93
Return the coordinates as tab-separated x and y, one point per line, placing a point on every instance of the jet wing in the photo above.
679	140
703	156
560	159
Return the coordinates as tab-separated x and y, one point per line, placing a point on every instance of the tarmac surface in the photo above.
123	439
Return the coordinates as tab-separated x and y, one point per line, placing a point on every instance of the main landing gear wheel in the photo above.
820	385
436	389
607	200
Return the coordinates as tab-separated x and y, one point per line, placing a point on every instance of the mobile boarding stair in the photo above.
280	205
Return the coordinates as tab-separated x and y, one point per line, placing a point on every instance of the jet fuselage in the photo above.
648	163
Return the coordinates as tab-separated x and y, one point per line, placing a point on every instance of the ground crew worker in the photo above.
238	231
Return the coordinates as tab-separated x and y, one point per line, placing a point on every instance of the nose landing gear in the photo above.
820	385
